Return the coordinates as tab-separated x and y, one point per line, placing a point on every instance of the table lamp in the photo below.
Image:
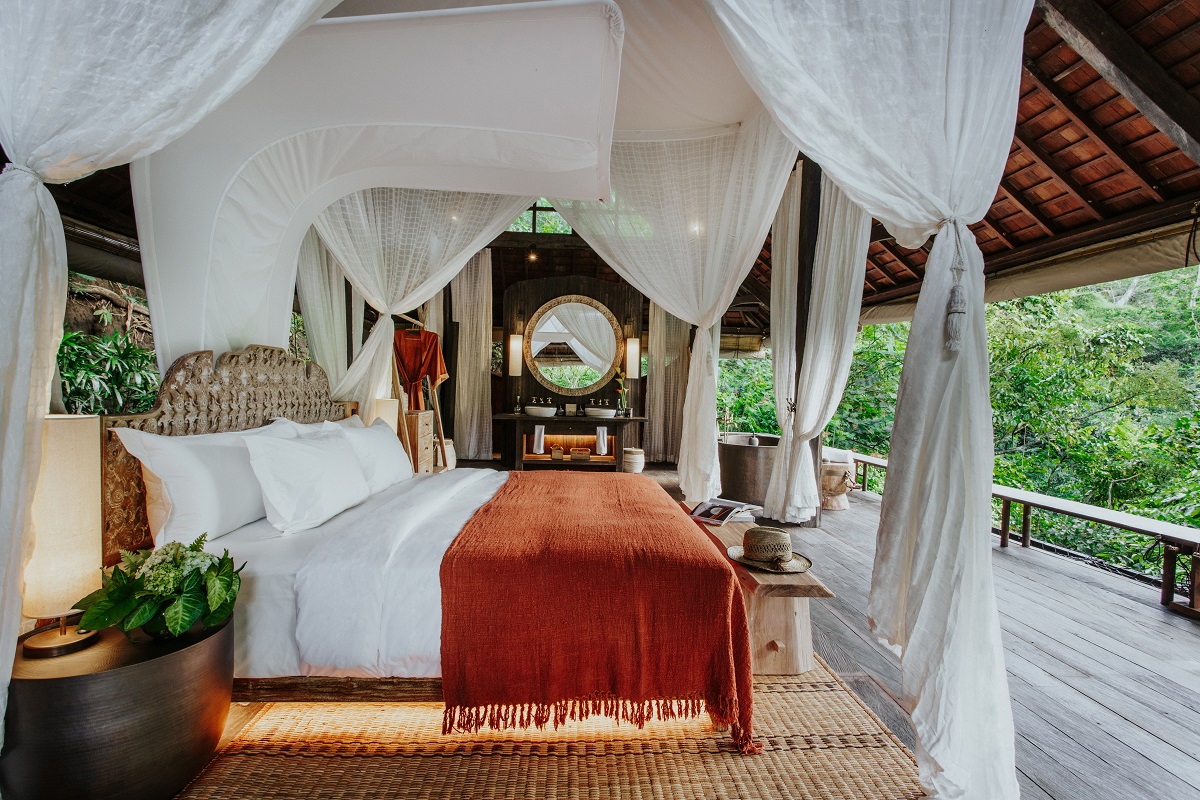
67	550
388	409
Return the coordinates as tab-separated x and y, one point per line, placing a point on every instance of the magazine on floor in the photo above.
718	511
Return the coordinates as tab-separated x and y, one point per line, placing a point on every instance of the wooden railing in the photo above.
1177	540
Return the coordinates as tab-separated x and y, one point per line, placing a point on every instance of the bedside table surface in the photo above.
113	651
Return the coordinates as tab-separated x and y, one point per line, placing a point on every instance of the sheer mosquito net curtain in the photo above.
321	286
910	108
399	247
812	396
687	218
471	307
666	383
82	89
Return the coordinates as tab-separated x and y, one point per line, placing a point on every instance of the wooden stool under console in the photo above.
776	609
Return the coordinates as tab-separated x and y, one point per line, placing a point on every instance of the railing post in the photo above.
1026	516
1170	557
1005	521
1195	581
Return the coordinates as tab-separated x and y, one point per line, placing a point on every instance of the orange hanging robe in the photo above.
419	355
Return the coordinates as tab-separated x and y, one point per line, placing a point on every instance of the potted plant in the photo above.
164	592
621	402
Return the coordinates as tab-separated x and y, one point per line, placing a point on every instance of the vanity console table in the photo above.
579	431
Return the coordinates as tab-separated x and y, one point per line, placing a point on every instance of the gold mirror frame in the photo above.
618	334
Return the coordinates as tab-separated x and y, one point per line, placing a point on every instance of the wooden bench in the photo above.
776	608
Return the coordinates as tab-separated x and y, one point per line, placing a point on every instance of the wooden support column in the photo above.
1026	521
810	218
348	290
1092	32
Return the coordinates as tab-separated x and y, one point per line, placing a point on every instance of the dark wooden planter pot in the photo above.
118	720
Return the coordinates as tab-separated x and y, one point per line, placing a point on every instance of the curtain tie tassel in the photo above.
956	314
956	305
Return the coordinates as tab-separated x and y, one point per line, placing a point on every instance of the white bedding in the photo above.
360	594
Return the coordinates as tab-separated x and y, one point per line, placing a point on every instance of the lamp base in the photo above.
58	642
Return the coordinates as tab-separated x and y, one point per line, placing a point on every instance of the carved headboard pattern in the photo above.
239	390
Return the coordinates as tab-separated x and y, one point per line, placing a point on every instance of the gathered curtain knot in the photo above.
12	165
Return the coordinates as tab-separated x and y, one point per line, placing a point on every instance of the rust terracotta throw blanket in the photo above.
575	594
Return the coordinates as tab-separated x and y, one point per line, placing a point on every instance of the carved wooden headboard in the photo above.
241	390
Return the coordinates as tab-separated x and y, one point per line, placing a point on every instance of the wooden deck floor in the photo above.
1105	683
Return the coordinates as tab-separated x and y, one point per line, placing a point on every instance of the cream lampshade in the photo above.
388	410
67	552
516	356
633	358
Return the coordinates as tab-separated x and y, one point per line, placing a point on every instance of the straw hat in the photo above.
769	549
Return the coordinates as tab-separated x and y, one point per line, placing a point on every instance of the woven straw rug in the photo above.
819	742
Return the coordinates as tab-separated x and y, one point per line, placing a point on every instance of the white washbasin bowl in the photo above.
603	413
541	411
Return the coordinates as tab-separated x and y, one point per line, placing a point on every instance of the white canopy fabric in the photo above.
321	286
687	220
666	384
399	247
840	261
350	104
471	291
81	89
909	108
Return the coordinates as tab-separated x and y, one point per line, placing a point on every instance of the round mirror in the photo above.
573	345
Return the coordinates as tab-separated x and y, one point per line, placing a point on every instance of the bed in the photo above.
535	602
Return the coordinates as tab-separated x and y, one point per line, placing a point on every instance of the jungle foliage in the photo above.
108	374
1095	397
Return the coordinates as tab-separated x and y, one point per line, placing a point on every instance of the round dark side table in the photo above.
117	720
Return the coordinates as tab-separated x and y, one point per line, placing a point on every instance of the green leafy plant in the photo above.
164	591
106	374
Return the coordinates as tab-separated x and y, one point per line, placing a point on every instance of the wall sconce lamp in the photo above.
515	355
67	553
532	255
633	358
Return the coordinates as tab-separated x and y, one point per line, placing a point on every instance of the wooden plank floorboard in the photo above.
1099	728
1104	681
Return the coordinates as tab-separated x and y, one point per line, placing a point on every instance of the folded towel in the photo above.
539	439
601	440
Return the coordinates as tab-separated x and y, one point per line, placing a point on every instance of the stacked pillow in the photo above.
296	475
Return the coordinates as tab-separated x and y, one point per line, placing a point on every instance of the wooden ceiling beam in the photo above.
1154	16
894	251
1014	196
543	241
1076	114
1169	212
748	286
1092	32
995	229
1039	154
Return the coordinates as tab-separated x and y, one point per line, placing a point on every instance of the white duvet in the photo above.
359	595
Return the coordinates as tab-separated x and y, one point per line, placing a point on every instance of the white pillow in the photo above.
309	428
306	481
379	453
198	484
